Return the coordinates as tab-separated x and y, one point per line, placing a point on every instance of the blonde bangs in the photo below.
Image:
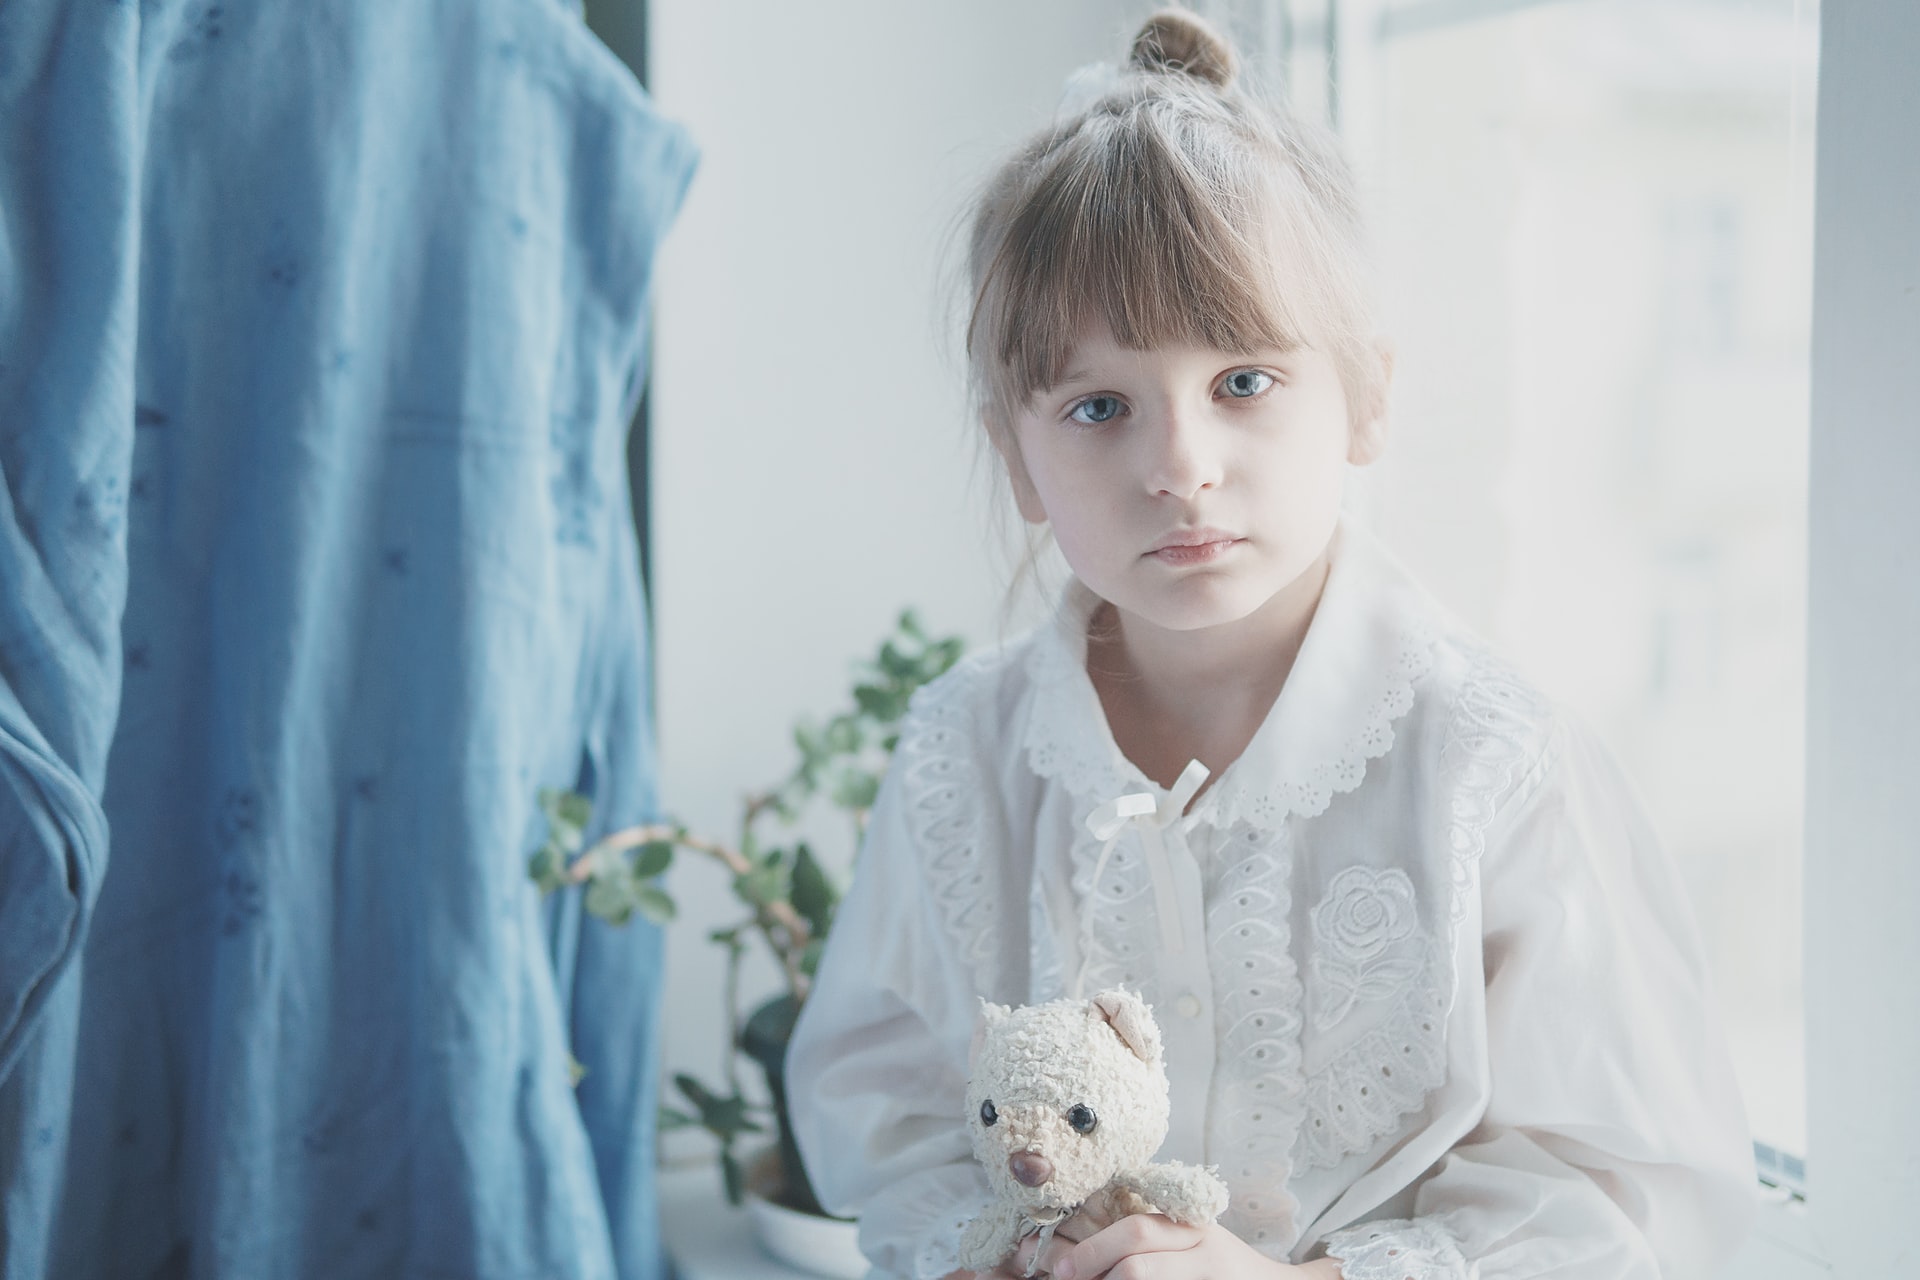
1119	226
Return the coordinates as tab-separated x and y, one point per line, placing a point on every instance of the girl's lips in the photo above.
1212	548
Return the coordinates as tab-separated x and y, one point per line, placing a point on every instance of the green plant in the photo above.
790	897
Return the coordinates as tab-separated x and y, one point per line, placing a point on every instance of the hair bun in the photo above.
1180	41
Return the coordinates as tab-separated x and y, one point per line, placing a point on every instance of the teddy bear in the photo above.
1068	1102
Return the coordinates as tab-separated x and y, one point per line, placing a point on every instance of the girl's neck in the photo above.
1175	696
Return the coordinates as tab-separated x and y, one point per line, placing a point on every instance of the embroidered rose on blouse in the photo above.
1357	927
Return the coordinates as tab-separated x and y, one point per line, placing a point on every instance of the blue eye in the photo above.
1096	409
1246	383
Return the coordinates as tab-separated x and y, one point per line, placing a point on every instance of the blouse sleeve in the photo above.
876	1072
1614	1143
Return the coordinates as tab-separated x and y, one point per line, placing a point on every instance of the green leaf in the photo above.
671	1118
814	896
810	958
548	867
894	663
805	738
882	704
611	898
575	808
735	1180
728	1117
652	859
696	1093
909	625
856	790
568	813
654	904
793	795
724	1117
762	886
843	735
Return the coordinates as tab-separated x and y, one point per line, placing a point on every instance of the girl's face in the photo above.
1188	486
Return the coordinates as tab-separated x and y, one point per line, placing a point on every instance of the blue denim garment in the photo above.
320	327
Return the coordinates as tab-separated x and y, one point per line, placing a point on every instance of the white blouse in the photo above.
1433	999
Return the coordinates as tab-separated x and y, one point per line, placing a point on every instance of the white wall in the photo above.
813	468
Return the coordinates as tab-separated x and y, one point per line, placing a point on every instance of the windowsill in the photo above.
1783	1245
707	1238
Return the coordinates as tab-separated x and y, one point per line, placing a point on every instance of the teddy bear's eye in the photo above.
987	1114
1082	1119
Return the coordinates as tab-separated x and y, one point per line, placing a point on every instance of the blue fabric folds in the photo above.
320	327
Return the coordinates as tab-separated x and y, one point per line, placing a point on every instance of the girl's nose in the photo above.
1186	459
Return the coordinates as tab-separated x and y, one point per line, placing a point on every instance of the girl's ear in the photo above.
1367	436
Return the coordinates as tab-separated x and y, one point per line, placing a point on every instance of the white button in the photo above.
1187	1006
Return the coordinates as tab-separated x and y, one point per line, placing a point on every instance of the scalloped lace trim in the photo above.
1067	738
1363	1093
942	790
1399	1249
1267	802
1257	1022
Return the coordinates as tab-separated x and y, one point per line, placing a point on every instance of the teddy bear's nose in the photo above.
1030	1170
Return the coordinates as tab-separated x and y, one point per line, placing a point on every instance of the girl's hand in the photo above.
1149	1246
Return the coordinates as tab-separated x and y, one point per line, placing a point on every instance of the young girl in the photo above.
1433	1001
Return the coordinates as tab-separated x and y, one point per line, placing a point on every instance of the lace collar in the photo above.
1370	641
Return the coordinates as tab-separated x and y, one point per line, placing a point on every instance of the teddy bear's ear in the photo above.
990	1013
1131	1020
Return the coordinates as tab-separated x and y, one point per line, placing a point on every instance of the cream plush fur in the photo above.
1034	1070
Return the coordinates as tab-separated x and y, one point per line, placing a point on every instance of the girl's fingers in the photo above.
1138	1233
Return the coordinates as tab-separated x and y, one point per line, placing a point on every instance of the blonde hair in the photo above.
1175	209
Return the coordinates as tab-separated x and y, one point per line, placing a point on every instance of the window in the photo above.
1593	220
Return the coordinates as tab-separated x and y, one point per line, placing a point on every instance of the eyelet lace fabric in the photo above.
1494	733
1498	726
1400	1249
942	789
1257	1080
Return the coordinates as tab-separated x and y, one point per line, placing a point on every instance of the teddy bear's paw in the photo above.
1112	1203
1184	1192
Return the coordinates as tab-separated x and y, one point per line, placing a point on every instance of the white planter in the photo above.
823	1246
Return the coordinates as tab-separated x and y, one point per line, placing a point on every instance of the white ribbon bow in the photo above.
1138	809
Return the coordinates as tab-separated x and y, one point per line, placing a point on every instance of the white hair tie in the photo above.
1087	86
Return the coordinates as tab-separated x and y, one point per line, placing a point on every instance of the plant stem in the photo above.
785	929
732	1057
